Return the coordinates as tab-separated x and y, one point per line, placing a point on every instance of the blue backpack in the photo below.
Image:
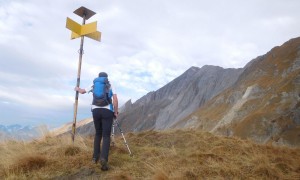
101	92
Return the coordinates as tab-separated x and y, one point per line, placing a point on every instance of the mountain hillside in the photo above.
260	101
263	104
175	154
83	127
163	108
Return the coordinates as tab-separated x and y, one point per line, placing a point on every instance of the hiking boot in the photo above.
94	160
104	165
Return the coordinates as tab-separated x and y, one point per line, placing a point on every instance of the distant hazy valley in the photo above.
18	132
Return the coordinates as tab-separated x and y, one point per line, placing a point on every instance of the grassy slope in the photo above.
157	155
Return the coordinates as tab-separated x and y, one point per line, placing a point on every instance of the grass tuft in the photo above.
160	175
72	150
28	163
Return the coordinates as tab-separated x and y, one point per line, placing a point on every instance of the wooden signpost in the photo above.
90	31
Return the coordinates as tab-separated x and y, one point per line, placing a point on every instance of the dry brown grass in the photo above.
157	155
27	163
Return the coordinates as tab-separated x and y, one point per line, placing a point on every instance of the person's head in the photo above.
103	74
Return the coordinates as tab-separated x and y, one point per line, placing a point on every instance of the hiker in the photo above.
104	108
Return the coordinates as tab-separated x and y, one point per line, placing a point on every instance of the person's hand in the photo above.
76	88
116	114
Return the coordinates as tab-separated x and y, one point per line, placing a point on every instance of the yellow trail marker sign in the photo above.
89	30
95	35
73	26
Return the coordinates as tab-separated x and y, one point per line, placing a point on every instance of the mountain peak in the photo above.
211	66
193	68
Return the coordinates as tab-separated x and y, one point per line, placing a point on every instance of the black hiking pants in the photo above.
103	119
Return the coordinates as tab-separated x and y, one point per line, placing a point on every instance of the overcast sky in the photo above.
145	44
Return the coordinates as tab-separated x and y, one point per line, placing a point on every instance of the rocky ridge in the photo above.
165	107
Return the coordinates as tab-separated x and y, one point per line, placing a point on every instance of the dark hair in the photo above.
103	74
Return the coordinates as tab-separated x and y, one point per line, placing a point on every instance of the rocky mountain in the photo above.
165	107
260	101
263	104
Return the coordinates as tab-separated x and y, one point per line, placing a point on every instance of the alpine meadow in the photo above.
175	154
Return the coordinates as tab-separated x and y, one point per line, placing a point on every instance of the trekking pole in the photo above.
113	134
125	142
